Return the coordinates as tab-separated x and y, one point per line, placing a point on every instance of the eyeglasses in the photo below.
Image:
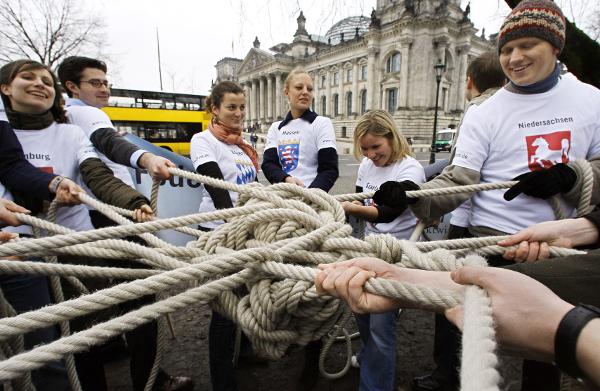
97	83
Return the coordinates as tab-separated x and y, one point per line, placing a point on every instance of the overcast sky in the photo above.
195	34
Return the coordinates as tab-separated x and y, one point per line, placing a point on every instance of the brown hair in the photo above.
72	67
486	72
219	91
9	72
381	123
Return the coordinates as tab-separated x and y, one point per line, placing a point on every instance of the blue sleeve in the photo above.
327	169
16	173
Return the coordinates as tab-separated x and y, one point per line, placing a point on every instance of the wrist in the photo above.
144	160
55	183
582	232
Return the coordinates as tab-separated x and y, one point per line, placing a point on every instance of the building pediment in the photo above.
255	59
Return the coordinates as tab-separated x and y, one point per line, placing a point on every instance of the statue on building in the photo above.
375	21
466	12
301	20
256	43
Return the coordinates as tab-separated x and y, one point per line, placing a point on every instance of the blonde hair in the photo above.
294	72
381	123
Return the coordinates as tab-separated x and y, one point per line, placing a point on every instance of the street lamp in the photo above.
439	69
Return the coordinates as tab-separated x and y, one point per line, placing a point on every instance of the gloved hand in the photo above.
559	178
393	194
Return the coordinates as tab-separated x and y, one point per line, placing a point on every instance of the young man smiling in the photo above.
533	129
84	80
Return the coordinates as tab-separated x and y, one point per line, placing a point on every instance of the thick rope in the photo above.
263	245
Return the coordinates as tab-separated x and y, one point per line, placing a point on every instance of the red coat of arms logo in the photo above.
546	150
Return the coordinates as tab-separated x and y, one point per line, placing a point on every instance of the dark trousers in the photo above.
141	341
27	293
221	344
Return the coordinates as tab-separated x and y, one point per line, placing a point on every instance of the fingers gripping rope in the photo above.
270	244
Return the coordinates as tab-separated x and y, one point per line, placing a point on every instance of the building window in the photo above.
323	81
349	103
336	78
363	72
344	132
336	104
393	63
323	105
391	99
363	101
348	75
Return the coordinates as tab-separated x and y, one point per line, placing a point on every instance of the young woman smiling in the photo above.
387	157
221	152
33	106
301	149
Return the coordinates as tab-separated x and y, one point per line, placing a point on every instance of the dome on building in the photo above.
348	26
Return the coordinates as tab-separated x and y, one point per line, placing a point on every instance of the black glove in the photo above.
393	194
559	178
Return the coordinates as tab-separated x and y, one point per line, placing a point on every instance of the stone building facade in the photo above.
380	62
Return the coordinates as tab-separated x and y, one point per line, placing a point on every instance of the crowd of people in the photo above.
524	120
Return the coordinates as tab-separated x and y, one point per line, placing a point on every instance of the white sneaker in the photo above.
354	363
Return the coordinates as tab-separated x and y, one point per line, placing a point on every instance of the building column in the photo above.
341	92
270	97
278	96
355	93
371	80
404	53
255	101
249	103
328	97
461	78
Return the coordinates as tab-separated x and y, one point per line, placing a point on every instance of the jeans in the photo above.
27	293
377	356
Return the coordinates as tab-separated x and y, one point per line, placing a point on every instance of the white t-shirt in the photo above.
90	119
511	134
370	177
59	149
298	144
235	166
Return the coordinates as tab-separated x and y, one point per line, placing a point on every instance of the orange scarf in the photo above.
233	136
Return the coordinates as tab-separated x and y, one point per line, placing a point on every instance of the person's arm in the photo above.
374	214
271	166
588	345
109	189
533	242
113	145
327	169
220	197
16	173
8	210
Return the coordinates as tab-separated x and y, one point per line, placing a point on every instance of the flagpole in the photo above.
159	67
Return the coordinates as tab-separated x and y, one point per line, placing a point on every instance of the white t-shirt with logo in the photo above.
235	166
298	144
91	119
59	149
511	134
370	177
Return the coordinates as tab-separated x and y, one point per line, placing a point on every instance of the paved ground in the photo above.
187	353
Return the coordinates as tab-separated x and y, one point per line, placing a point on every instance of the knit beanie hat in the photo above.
534	18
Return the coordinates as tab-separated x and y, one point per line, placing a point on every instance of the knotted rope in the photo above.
269	246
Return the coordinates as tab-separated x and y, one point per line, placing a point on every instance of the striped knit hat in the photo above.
534	18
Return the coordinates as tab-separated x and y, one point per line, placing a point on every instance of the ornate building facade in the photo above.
380	62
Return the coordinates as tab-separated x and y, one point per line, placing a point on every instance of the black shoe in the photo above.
175	383
431	382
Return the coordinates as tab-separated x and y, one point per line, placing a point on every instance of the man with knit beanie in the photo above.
534	129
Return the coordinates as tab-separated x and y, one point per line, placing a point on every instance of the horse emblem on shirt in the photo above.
546	150
288	156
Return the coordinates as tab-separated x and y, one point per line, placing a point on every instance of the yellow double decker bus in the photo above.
167	120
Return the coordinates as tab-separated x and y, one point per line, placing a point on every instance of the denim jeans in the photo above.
27	293
377	356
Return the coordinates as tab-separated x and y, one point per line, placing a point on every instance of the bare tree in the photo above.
47	30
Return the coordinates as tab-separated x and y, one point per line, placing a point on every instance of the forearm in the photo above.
271	167
109	189
368	213
434	207
327	170
220	197
113	145
587	351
